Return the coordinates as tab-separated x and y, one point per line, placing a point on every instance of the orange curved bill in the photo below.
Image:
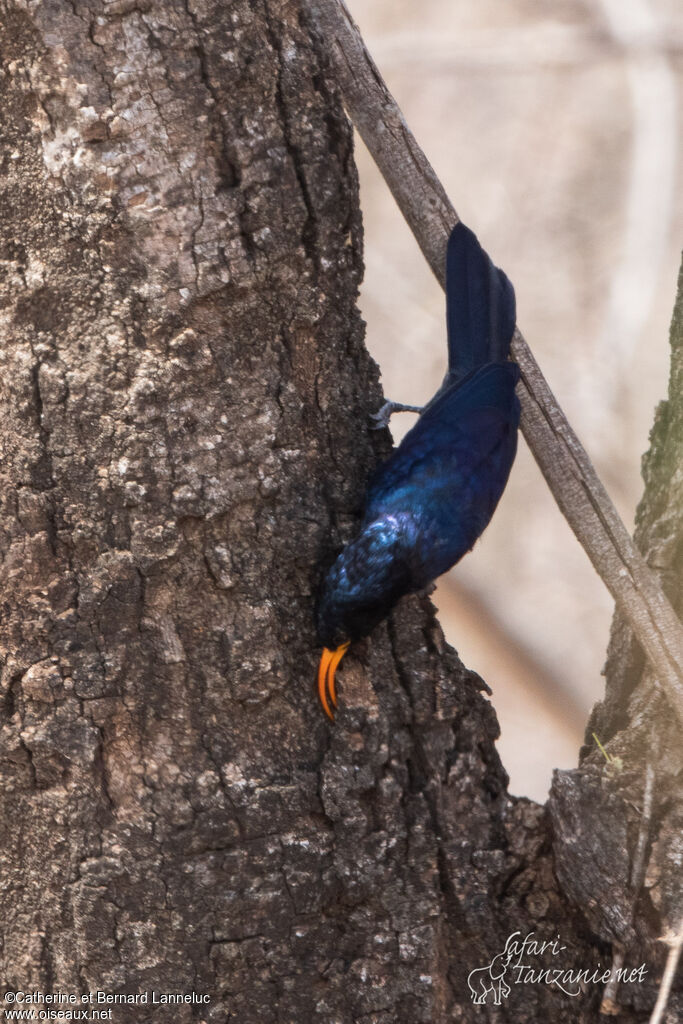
332	668
329	661
325	660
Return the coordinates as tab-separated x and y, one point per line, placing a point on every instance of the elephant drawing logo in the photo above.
490	980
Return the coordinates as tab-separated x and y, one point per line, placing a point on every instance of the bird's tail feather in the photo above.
480	304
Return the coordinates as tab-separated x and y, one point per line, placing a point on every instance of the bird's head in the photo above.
333	633
355	596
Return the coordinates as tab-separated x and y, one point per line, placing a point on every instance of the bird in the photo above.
429	502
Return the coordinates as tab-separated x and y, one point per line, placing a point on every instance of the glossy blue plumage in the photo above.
430	501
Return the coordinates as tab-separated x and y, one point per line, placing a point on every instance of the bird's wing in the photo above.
464	426
480	306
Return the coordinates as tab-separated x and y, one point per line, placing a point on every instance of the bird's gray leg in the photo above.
382	417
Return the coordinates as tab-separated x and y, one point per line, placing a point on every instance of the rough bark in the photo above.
184	447
634	721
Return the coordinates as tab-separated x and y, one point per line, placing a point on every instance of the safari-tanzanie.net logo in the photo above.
532	961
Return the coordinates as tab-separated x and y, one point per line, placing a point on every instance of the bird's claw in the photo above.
382	417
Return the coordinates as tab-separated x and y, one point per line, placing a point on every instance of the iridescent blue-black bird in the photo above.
431	500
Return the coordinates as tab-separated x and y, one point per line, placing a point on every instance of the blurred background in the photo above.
555	129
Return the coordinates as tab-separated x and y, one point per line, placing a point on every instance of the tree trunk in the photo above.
185	446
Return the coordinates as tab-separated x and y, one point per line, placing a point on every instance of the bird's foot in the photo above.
381	418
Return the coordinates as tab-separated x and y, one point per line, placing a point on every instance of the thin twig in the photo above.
564	463
639	863
609	1005
674	940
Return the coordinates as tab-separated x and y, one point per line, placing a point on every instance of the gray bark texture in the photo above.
184	447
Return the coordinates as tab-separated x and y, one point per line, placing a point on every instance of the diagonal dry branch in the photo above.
559	453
